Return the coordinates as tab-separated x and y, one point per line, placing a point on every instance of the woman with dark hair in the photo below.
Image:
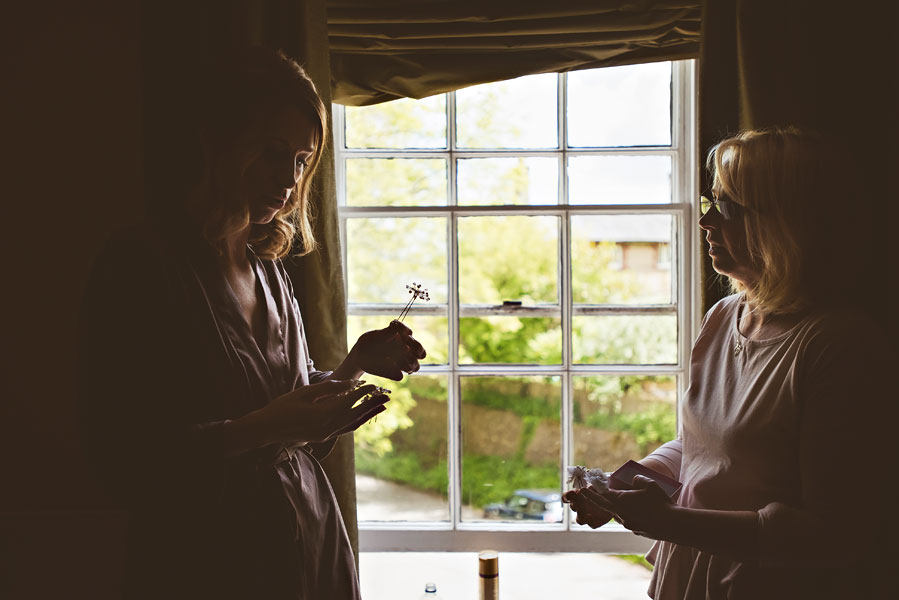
773	439
206	415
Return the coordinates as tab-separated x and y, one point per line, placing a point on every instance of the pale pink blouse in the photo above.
784	427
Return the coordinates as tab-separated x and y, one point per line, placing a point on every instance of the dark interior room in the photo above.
86	90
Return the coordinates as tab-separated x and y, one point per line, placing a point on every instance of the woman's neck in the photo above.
755	323
234	250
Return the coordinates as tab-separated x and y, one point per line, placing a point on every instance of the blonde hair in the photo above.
791	183
240	88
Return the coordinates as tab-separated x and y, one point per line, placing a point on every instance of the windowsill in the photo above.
438	537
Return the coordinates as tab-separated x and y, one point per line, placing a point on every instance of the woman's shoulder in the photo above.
723	309
843	327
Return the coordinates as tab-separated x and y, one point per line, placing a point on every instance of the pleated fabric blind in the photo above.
384	50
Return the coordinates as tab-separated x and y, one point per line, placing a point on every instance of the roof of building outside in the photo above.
627	228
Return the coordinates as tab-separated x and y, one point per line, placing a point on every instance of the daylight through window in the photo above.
550	218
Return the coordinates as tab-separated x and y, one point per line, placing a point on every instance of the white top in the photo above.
776	426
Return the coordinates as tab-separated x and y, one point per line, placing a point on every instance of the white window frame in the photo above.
458	535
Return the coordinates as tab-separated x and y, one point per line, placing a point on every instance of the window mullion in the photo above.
338	138
565	299
454	411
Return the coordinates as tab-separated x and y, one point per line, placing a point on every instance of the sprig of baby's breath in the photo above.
417	292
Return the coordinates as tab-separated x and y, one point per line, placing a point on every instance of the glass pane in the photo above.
621	418
518	113
514	180
619	180
402	123
621	259
620	106
386	254
401	468
395	181
511	449
429	330
525	340
514	258
625	340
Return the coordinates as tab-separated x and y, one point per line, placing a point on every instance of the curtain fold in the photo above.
817	66
382	51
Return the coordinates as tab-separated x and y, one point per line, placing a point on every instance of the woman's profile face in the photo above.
727	246
269	159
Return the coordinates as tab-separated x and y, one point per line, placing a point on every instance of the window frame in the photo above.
458	535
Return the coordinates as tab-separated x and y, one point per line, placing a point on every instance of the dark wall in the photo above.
72	172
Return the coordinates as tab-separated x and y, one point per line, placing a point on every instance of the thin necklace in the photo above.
738	346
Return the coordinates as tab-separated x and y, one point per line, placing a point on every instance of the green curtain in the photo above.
387	49
826	66
177	37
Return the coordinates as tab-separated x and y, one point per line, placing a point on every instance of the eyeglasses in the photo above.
728	209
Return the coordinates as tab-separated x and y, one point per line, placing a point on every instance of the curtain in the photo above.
178	37
828	67
389	49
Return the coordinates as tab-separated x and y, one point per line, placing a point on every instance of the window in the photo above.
550	217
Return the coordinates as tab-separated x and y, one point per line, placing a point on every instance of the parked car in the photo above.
539	505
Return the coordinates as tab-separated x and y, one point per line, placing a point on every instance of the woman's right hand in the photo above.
310	413
587	513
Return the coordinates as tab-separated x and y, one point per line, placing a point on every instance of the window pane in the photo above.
401	468
402	123
620	106
519	113
517	180
621	418
386	254
511	449
621	259
395	181
619	180
513	258
624	340
526	340
429	330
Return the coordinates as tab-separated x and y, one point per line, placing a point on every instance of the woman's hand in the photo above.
646	509
311	413
587	513
387	352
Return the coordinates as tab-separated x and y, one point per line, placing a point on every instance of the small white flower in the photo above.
417	292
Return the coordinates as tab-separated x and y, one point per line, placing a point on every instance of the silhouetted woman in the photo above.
779	427
206	413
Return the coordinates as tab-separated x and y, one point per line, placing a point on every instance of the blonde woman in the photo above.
205	412
779	425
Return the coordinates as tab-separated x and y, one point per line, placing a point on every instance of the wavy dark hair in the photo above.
237	89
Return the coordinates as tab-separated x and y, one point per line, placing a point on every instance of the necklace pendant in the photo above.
738	347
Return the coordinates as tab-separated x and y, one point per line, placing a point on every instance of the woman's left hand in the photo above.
646	509
387	352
